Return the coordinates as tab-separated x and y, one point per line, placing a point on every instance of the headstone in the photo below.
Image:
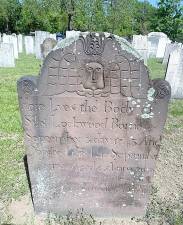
29	44
20	43
47	46
140	43
153	43
169	49
53	36
72	33
174	74
40	36
7	58
163	41
12	39
93	122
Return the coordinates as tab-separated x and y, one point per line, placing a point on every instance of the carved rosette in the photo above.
162	89
27	85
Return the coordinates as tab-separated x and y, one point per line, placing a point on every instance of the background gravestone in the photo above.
140	43
174	73
163	41
20	43
93	122
29	45
7	58
47	46
12	39
169	49
156	44
40	36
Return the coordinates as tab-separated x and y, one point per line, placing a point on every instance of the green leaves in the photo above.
169	18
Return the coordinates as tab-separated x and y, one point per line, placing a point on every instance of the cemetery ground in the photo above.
166	206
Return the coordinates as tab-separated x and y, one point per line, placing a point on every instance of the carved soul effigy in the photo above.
93	123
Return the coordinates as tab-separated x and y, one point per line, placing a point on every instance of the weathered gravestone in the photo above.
140	43
29	45
40	36
162	46
7	58
47	46
169	49
20	43
12	39
174	73
93	122
156	44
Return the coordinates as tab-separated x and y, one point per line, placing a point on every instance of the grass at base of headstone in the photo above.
156	68
13	182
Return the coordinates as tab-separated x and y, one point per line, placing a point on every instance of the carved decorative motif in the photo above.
94	44
163	89
94	77
27	87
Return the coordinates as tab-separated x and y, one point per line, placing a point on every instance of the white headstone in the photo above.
163	41
7	58
53	36
72	33
174	74
29	45
40	36
20	43
140	43
169	49
12	39
153	42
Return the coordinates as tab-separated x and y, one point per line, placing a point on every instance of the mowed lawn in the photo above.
13	182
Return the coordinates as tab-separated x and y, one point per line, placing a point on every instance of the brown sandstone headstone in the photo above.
93	122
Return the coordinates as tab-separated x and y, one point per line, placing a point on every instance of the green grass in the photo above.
12	176
156	69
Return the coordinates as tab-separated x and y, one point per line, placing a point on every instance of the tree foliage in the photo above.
122	17
169	18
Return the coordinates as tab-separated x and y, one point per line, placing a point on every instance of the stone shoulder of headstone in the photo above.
93	122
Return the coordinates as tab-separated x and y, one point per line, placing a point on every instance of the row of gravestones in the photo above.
152	45
158	45
12	45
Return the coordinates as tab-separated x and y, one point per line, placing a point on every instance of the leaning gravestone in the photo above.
47	46
174	74
93	122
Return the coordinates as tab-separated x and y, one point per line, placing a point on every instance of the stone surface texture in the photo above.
93	122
